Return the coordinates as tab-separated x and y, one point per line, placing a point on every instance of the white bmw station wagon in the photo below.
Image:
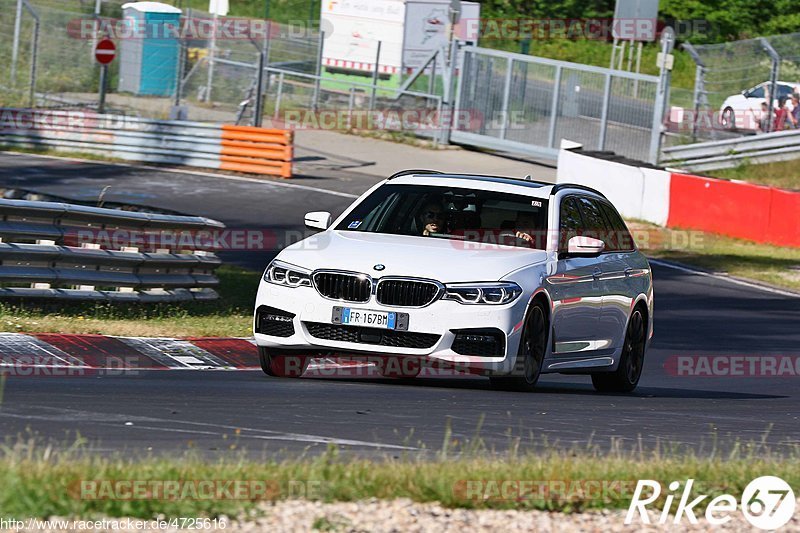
506	278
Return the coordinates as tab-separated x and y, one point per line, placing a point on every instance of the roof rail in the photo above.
561	186
413	171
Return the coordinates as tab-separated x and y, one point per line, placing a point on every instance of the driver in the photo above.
431	218
526	227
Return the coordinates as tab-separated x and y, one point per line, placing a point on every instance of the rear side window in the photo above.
621	240
570	222
594	224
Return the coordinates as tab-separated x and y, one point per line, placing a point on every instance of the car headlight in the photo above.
492	293
281	273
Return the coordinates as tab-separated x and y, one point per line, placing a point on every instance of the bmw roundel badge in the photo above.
379	267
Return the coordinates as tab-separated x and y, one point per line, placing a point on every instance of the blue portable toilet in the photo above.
149	51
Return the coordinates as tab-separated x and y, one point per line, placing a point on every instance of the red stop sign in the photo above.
105	52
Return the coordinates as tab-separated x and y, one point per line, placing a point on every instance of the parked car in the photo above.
743	111
508	278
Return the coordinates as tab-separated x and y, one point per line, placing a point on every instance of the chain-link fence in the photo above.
732	85
194	72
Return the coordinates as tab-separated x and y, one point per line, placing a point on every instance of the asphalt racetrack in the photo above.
168	412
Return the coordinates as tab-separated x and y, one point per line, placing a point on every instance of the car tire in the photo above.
530	355
282	366
728	119
626	377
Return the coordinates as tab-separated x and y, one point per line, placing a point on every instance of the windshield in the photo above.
452	213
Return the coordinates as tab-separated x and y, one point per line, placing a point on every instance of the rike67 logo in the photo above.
767	503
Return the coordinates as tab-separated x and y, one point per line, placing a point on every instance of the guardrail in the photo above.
729	153
66	251
195	144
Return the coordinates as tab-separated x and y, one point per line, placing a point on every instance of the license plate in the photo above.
369	319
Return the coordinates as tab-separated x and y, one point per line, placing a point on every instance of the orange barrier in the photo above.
741	210
257	150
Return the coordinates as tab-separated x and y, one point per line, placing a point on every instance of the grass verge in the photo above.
784	174
766	263
37	481
230	316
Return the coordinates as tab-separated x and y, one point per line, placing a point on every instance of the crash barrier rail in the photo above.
730	153
677	199
75	252
195	144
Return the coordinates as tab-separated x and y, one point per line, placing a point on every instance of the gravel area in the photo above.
403	515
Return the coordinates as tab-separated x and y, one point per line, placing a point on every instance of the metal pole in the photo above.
15	49
258	108
601	144
101	108
699	86
34	60
662	94
551	141
211	54
432	79
318	80
278	97
375	73
180	72
699	74
773	82
350	104
506	98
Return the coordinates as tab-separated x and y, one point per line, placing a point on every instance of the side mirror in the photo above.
582	246
318	220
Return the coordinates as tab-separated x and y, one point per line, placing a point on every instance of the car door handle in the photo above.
628	272
597	274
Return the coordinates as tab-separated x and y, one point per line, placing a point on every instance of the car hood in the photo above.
422	257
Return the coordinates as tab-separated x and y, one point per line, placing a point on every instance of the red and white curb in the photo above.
87	353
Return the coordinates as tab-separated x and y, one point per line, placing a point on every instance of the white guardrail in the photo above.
173	142
66	251
729	153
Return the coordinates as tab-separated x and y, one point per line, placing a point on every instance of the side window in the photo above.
758	92
594	222
570	222
621	240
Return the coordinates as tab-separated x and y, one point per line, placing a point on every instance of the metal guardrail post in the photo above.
601	142
551	135
506	97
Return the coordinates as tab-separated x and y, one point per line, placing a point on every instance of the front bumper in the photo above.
435	326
